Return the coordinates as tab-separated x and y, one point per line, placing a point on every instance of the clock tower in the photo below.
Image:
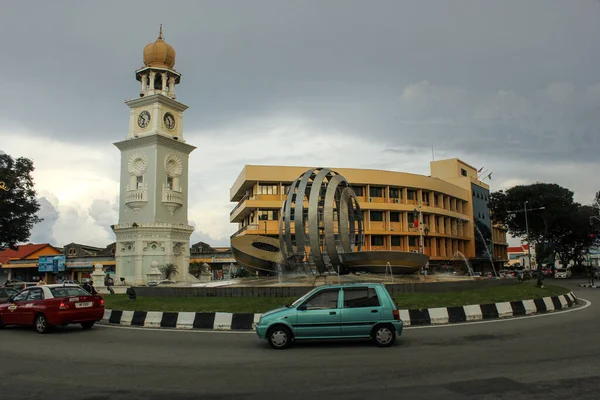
153	227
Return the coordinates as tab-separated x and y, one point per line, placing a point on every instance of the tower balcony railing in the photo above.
136	199
172	196
136	195
173	199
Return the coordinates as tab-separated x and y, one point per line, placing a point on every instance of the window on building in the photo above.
394	216
463	172
359	190
140	182
268	189
286	189
396	241
412	241
375	191
268	215
376	216
169	182
395	193
426	198
411	195
377	240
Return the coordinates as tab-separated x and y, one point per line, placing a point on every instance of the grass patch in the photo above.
196	304
521	291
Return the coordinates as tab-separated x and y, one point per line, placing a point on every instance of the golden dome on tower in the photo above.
159	54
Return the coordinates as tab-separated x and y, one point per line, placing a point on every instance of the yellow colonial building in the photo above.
444	215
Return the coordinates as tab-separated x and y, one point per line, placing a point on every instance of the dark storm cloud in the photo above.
482	76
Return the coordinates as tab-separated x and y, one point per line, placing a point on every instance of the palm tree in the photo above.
168	270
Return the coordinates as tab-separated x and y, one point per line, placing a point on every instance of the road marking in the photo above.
252	332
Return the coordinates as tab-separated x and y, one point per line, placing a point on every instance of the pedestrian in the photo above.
108	282
41	282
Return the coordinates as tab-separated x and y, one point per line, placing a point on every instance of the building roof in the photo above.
22	251
518	249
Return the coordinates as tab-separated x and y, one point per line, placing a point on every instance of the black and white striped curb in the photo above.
428	316
589	285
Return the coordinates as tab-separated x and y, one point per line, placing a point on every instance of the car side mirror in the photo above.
302	307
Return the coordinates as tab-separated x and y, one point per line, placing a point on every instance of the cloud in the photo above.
104	213
364	87
43	232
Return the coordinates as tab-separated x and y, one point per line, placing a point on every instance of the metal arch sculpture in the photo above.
308	229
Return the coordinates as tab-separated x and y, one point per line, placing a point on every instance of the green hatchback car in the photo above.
345	311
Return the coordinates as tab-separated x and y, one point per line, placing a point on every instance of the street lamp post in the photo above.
525	210
420	222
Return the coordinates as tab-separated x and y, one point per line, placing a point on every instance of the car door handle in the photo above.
332	313
374	310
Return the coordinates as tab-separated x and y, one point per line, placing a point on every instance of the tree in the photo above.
18	204
576	235
549	206
169	270
195	269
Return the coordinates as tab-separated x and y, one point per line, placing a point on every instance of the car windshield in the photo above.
68	291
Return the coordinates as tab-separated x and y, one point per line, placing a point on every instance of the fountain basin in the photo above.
376	261
256	254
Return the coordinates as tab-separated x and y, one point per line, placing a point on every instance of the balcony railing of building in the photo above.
243	229
136	195
136	199
242	200
172	196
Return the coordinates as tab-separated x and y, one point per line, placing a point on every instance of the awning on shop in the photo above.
27	265
87	264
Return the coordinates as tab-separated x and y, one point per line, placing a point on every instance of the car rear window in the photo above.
68	291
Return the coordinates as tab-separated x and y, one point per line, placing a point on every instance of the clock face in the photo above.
169	121
143	119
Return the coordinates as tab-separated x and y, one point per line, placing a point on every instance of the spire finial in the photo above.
160	32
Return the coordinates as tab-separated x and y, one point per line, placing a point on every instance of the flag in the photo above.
490	175
479	170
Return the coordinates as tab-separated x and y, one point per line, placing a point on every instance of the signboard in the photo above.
51	264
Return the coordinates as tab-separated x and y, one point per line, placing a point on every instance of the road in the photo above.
550	357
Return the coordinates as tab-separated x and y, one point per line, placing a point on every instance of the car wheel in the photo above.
87	324
280	337
384	336
41	324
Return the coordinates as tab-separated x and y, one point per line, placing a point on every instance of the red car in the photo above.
52	305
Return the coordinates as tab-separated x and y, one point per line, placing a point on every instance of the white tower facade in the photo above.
153	224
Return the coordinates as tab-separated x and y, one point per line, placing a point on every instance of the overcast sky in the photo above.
512	86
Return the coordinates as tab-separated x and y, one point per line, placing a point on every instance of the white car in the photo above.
563	273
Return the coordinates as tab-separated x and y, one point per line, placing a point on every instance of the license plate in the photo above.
83	305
